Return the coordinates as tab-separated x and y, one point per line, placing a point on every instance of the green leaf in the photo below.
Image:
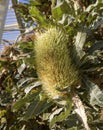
21	102
98	22
25	80
95	16
66	20
35	3
58	116
26	47
96	46
74	128
72	121
36	107
96	95
41	19
62	7
31	86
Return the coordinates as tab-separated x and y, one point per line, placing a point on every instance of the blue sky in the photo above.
11	19
24	1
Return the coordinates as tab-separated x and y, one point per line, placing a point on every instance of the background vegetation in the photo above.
23	105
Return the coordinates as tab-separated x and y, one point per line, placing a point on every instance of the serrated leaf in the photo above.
96	5
56	112
96	95
36	108
59	116
80	110
34	12
62	7
95	17
66	20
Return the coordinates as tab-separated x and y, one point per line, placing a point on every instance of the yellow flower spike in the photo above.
55	66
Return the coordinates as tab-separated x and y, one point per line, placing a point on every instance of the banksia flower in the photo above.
55	66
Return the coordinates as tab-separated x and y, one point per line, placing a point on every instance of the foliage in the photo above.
23	104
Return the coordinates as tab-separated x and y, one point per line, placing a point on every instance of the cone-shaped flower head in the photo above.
55	66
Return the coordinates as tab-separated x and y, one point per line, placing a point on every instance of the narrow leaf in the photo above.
36	108
59	9
80	111
38	15
30	87
21	68
96	95
59	116
21	102
96	46
79	43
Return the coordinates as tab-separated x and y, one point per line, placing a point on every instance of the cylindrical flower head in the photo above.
55	66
